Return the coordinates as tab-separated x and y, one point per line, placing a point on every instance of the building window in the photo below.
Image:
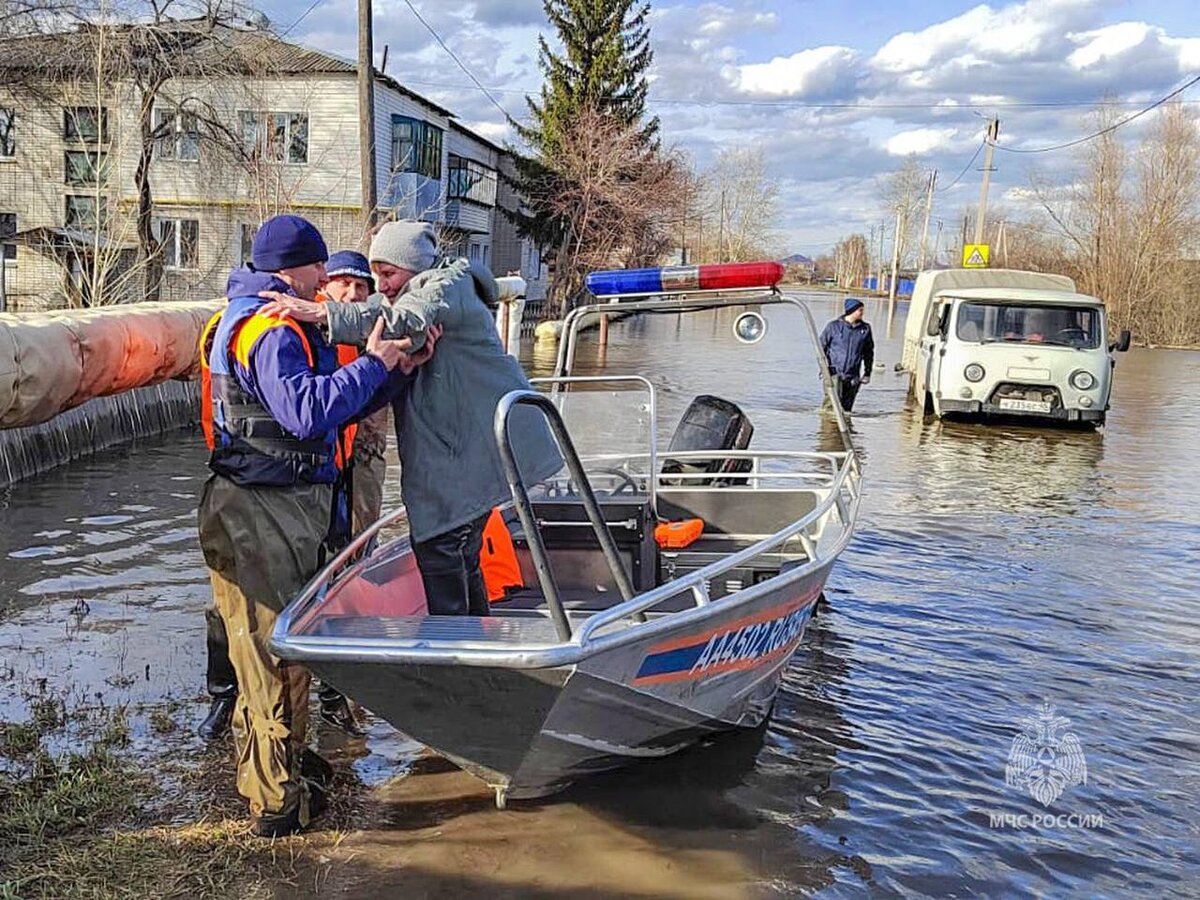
177	134
246	235
85	124
180	242
416	147
275	136
8	133
86	212
85	167
469	180
8	227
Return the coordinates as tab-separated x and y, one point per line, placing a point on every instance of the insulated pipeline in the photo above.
54	361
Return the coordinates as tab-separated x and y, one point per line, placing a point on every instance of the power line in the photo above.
457	61
805	104
1109	129
303	16
965	170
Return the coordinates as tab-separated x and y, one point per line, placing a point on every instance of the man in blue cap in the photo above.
272	509
849	349
350	281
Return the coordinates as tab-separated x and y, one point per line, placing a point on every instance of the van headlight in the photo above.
1082	380
974	372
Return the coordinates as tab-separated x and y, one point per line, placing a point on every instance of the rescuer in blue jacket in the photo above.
274	505
849	349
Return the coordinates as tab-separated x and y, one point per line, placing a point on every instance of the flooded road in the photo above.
994	569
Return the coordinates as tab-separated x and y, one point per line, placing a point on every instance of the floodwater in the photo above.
994	569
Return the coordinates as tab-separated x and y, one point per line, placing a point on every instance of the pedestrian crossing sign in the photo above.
976	256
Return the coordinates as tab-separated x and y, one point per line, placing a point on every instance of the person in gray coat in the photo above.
451	473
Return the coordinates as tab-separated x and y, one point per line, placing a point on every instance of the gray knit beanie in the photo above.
409	245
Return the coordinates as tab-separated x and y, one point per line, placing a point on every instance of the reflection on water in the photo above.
993	568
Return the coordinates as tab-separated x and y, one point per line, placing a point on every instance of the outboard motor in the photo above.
709	423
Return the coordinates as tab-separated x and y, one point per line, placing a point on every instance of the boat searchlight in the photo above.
750	328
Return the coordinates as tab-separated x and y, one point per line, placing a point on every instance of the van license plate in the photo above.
1038	406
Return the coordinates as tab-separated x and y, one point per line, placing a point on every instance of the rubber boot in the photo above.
335	709
216	723
289	823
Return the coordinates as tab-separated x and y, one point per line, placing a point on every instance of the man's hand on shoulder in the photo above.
410	361
390	353
283	306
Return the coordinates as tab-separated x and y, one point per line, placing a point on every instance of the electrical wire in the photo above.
1103	131
303	16
804	104
458	62
965	170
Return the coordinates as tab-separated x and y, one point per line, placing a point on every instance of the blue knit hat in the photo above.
347	262
852	303
286	242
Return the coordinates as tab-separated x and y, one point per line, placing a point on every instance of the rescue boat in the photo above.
644	598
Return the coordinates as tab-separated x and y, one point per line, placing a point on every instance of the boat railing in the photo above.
695	301
842	496
524	507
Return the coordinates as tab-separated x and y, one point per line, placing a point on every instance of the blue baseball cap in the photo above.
347	262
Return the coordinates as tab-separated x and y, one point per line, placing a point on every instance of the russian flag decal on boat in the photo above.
741	644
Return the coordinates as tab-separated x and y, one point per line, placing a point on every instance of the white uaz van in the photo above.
1004	342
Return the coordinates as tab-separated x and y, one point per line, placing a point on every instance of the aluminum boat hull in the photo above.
531	731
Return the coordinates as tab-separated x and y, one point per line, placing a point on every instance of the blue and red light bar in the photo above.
708	277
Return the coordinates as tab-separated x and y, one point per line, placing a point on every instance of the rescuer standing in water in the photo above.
273	508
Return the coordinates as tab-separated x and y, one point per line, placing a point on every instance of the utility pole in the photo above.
925	227
870	253
721	230
879	258
366	115
993	132
895	263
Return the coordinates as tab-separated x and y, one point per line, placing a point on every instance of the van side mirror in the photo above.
1122	343
934	327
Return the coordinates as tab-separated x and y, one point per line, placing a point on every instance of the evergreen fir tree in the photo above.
605	55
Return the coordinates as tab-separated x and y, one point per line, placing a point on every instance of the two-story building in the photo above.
253	126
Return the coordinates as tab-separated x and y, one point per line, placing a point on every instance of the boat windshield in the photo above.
1067	326
611	431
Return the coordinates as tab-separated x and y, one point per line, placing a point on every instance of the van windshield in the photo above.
1067	326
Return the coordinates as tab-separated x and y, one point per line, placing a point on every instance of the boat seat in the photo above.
575	556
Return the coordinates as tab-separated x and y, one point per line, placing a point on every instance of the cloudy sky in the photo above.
837	94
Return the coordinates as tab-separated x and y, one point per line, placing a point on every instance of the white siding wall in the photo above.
222	193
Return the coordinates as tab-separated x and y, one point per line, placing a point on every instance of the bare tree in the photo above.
619	197
1128	221
738	207
903	197
852	260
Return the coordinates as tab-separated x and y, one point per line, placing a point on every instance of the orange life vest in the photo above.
498	559
244	340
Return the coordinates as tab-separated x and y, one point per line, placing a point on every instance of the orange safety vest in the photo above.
244	341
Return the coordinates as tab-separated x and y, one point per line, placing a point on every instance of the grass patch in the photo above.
90	821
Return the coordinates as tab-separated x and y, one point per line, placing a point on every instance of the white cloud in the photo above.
1106	44
1187	51
920	141
807	72
911	50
